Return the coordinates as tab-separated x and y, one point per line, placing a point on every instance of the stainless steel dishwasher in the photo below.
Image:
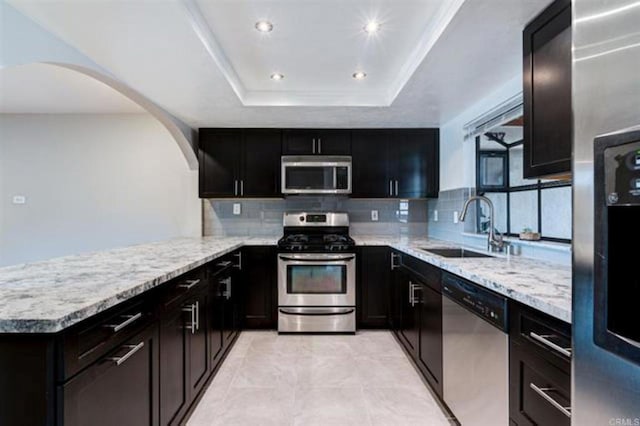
475	353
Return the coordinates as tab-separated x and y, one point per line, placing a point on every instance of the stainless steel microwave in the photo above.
316	174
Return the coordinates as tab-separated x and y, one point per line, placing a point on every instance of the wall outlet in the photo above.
374	215
237	209
456	217
19	199
435	215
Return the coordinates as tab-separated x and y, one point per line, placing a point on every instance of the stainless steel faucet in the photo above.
494	242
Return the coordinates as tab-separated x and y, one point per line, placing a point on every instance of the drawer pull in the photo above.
224	264
193	310
119	360
544	340
189	284
543	393
129	319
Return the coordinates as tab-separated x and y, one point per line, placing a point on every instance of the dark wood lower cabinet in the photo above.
197	337
373	276
121	389
173	364
259	287
416	315
430	352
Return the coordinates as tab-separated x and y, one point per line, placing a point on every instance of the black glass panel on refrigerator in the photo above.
623	274
617	238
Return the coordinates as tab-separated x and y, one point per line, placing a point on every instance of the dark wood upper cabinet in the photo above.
260	174
219	155
548	121
240	163
316	142
387	163
414	155
395	163
369	155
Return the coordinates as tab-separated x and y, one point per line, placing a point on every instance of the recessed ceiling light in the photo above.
277	76
359	75
372	27
264	26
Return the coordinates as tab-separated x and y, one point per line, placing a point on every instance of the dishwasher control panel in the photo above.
486	304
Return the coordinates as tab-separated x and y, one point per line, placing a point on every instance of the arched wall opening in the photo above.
85	168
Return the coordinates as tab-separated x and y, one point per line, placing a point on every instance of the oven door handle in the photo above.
318	313
326	260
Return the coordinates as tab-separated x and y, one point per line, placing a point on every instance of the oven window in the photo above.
309	177
316	279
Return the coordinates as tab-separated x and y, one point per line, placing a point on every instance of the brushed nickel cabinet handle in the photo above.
396	188
239	264
235	187
129	319
543	393
189	284
191	309
544	340
119	360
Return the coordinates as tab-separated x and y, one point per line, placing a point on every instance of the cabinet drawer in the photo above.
540	392
547	336
427	273
118	389
175	291
90	340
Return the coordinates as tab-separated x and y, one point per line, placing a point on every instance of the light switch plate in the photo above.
456	217
237	209
19	199
435	215
374	215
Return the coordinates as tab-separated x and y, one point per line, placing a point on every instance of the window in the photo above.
542	206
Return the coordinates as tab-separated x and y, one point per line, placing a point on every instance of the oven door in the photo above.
320	279
316	175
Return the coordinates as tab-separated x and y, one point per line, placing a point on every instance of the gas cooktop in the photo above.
316	233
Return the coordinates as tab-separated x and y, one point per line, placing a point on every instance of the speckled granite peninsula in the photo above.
49	296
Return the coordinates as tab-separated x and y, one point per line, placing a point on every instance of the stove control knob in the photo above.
301	218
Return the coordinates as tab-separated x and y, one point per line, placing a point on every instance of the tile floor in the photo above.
364	379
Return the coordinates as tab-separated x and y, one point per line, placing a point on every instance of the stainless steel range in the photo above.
316	274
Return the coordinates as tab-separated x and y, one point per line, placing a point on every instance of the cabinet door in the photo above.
547	101
409	327
333	142
198	352
430	353
396	293
261	163
539	391
216	321
414	160
373	287
120	389
370	158
219	155
173	365
259	291
299	142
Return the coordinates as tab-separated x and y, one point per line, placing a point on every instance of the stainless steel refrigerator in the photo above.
606	218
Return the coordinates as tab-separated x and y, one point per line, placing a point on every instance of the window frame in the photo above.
539	186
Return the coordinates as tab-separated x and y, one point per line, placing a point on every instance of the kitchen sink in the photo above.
454	252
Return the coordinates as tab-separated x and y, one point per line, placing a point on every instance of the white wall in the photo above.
92	182
457	157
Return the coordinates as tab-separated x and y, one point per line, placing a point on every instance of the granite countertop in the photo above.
49	296
544	286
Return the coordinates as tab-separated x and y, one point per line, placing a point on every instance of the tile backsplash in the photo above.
449	202
264	217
